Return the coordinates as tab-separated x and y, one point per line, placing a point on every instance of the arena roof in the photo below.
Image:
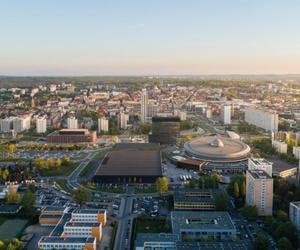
217	149
129	162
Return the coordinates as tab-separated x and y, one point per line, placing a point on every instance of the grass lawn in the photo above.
108	189
62	171
100	155
64	185
11	227
144	224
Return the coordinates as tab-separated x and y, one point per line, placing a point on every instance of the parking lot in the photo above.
159	206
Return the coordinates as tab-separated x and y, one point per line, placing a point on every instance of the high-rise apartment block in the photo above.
266	120
72	123
103	124
260	164
41	124
144	106
259	191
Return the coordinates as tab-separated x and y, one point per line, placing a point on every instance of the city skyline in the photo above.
149	38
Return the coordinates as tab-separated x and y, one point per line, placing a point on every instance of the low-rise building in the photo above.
202	199
279	146
60	243
89	215
83	229
203	226
155	241
72	136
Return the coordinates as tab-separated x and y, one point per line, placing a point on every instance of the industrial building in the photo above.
165	130
140	164
72	136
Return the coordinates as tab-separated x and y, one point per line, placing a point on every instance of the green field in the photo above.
11	227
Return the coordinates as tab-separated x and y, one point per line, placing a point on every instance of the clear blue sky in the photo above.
125	37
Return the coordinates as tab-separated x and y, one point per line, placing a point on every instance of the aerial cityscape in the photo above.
149	125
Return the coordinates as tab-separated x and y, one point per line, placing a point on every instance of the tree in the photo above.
12	196
243	189
14	244
162	184
249	212
284	244
221	201
4	174
286	229
27	202
261	242
81	196
236	190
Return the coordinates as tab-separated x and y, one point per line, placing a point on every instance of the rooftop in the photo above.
88	211
128	162
55	239
82	224
182	220
194	195
141	238
259	174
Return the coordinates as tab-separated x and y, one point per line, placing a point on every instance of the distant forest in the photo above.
138	81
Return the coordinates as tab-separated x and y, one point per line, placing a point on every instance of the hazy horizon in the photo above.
149	38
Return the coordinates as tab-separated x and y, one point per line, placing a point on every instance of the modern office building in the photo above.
103	125
264	119
201	199
294	213
41	124
260	164
138	164
203	225
259	191
72	136
279	146
144	105
226	114
156	241
72	123
165	130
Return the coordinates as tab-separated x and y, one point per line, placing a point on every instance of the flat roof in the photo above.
50	216
82	224
259	174
198	195
88	211
141	238
54	208
55	239
131	162
182	220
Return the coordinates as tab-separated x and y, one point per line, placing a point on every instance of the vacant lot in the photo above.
11	227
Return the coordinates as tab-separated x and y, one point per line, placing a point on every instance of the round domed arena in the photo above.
217	149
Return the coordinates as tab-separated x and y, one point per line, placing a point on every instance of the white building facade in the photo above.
266	120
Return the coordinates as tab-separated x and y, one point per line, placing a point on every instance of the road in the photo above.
123	235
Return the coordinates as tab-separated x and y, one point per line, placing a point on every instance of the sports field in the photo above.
11	227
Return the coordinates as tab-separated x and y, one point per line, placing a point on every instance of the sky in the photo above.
149	37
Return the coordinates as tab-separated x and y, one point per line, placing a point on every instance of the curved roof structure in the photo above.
217	149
